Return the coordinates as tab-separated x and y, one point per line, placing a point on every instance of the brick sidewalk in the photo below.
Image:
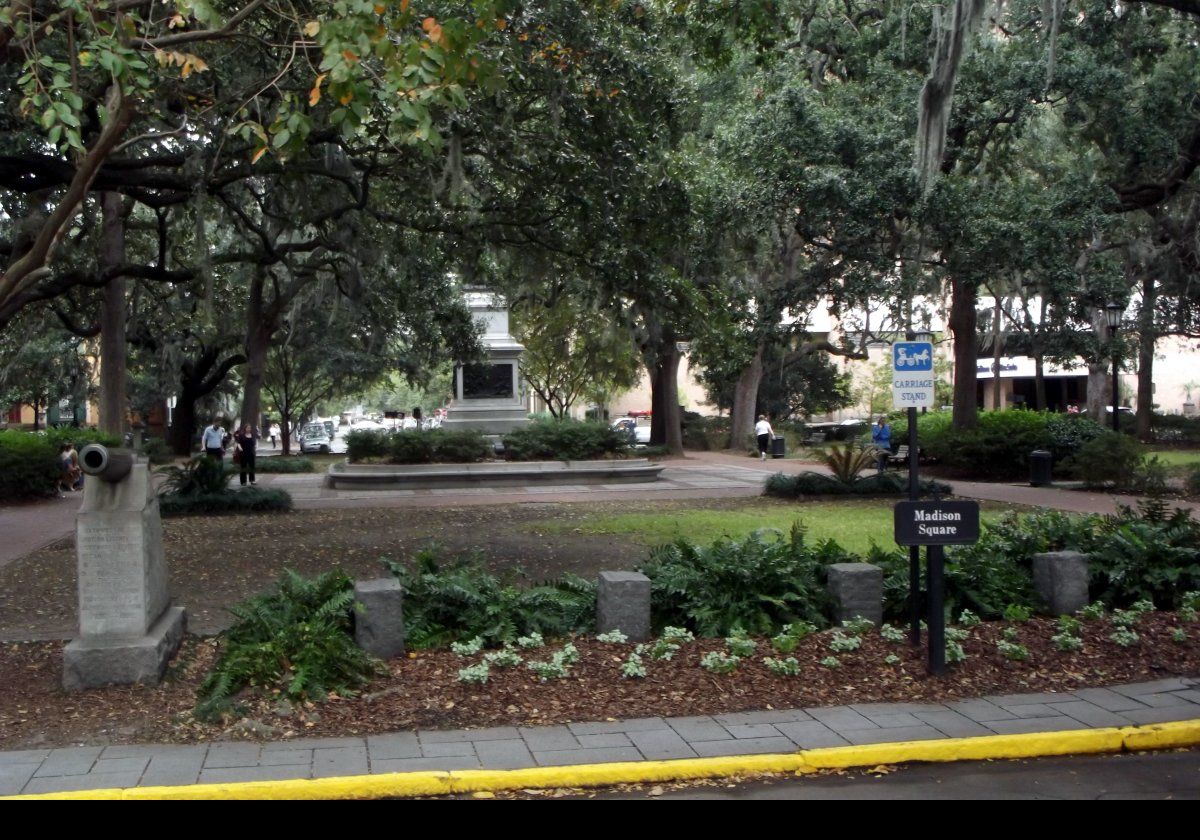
645	739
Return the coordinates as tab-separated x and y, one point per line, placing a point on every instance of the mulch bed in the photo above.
422	690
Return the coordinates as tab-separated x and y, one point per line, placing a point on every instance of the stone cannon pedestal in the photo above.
128	629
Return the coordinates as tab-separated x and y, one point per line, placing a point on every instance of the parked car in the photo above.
639	435
315	438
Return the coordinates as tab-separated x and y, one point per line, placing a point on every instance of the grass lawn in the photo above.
1179	461
854	524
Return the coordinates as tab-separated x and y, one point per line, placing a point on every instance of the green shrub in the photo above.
462	600
296	641
847	461
564	440
29	460
1176	428
874	484
246	500
436	446
157	450
1069	432
1109	459
1135	558
997	448
759	584
28	466
275	464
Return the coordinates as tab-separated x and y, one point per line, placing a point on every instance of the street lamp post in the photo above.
1112	314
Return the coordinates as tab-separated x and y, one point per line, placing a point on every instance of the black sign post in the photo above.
936	524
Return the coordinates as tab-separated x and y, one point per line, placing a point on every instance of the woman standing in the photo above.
764	431
247	442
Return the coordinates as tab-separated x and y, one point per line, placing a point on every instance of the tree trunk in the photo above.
745	401
963	320
1145	373
997	391
285	432
666	421
1099	380
112	318
1039	379
183	421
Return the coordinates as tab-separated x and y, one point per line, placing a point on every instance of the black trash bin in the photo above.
1041	463
778	446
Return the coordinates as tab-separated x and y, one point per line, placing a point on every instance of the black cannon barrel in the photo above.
106	464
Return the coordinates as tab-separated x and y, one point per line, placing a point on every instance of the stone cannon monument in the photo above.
128	630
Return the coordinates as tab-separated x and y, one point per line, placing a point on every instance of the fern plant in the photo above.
200	475
461	599
296	640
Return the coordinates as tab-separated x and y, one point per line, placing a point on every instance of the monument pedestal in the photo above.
487	397
128	630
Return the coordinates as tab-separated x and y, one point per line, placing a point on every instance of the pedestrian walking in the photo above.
764	432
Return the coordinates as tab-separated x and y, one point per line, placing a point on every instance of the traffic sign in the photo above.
912	374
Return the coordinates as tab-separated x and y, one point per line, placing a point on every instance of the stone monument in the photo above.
487	396
128	630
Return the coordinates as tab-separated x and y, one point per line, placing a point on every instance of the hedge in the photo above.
29	460
819	484
436	446
565	440
277	464
246	500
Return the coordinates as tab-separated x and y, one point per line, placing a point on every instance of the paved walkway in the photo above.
26	528
644	739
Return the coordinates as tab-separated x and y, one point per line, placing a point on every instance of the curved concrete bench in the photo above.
490	474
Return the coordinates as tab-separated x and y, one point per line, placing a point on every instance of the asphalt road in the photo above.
1168	775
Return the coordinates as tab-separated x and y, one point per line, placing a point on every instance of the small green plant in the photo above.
1010	634
569	655
789	638
1179	636
740	646
1093	611
1187	614
1067	642
1125	637
475	674
857	626
469	647
614	637
1142	607
634	668
968	619
1070	626
955	653
1125	618
783	667
718	662
831	662
677	635
1012	651
507	658
1018	613
546	671
533	640
892	634
957	634
1190	600
662	650
841	643
891	659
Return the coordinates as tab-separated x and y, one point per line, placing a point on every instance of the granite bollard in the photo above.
128	628
857	590
379	617
1061	579
623	603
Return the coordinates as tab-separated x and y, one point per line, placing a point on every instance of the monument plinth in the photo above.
128	628
487	396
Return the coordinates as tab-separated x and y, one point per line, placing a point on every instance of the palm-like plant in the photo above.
847	461
199	475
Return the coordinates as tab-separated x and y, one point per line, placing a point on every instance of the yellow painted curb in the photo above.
435	783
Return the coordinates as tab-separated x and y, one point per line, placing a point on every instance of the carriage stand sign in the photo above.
912	374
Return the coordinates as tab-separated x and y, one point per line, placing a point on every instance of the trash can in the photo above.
1040	465
778	446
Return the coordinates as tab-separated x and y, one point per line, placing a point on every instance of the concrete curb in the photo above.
437	783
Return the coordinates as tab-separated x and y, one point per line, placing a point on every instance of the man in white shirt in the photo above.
214	441
764	431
